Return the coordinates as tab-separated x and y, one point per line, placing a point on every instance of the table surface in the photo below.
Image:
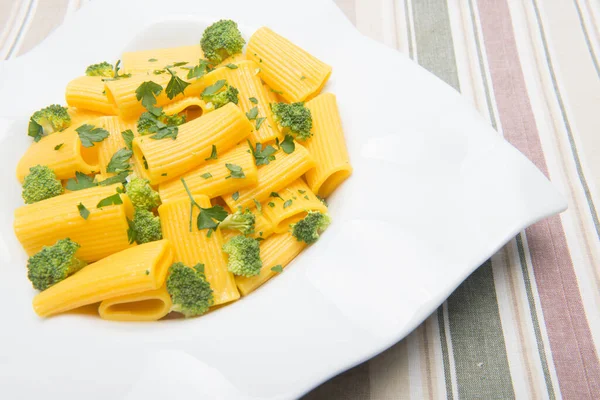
526	324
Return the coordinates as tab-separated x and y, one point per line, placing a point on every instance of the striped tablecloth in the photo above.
526	324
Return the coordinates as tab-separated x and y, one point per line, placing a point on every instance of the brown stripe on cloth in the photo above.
572	347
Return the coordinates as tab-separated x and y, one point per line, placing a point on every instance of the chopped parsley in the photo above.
119	178
214	88
231	66
252	113
271	204
58	146
235	171
84	212
277	268
258	206
115	199
213	154
199	70
276	195
119	162
301	191
235	196
206	175
259	122
146	93
262	156
287	203
253	100
176	85
302	78
152	60
89	134
81	181
131	232
276	91
128	138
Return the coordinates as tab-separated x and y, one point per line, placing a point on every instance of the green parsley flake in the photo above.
271	204
287	203
235	170
58	146
253	100
206	175
119	162
176	85
213	154
231	66
128	138
115	199
259	122
258	206
288	146
235	196
277	268
252	113
81	181
84	212
89	134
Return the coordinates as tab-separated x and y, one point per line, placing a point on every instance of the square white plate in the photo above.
435	192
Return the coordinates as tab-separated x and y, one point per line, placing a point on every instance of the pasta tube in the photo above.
327	146
80	116
291	206
211	179
167	158
286	67
62	152
193	246
114	142
278	174
103	232
139	269
88	93
245	79
277	250
150	60
143	306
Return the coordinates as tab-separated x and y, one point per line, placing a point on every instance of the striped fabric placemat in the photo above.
526	324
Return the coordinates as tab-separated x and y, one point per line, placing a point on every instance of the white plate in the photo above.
435	192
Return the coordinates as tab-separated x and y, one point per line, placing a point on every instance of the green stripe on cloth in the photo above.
435	50
477	339
476	332
445	356
352	384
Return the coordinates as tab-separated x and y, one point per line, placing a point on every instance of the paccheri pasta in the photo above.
179	179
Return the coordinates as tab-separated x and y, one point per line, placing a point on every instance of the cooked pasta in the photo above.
63	153
139	269
278	174
103	232
193	247
151	60
88	93
277	250
285	67
327	146
151	305
168	159
179	179
245	79
210	179
290	205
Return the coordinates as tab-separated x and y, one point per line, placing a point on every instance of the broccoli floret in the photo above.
189	290
41	184
101	69
141	194
244	256
149	123
146	226
242	221
308	229
53	264
53	118
219	99
221	40
294	119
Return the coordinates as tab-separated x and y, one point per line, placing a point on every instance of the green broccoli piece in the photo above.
294	119
189	290
101	69
244	256
308	229
219	99
149	123
53	118
53	264
242	221
41	184
146	226
221	40
141	194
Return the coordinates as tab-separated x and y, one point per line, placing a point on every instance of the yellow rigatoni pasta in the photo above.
195	247
139	269
296	200
327	146
156	59
245	79
278	249
151	305
223	128
191	107
211	179
234	59
70	156
286	67
121	93
114	142
278	174
80	116
104	231
88	93
263	228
